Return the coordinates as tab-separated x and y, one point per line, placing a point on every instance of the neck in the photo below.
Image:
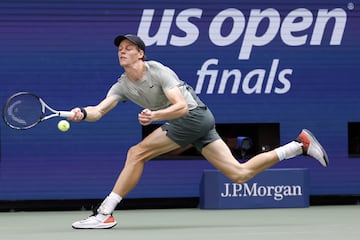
136	71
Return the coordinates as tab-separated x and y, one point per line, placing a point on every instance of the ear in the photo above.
141	53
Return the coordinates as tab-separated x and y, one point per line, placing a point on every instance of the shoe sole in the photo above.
105	227
313	138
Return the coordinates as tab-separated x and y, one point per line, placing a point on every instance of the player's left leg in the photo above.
221	157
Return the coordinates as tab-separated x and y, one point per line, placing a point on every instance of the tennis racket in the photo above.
25	110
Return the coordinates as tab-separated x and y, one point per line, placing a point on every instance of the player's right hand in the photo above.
78	115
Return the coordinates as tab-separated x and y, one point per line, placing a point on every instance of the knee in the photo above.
242	176
134	155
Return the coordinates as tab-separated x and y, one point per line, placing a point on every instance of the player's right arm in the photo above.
95	113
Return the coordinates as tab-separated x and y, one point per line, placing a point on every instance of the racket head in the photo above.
23	110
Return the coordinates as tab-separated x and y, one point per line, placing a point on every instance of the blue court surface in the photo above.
316	222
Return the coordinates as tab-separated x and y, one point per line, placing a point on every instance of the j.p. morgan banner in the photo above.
274	188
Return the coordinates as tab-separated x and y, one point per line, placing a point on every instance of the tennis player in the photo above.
163	96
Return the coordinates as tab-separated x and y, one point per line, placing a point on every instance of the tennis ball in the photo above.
63	125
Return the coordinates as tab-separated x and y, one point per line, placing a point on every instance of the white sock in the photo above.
289	150
109	204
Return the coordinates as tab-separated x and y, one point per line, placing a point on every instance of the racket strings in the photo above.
23	111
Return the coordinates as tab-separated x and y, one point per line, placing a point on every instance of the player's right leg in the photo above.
153	145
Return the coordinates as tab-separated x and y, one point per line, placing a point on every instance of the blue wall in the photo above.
288	69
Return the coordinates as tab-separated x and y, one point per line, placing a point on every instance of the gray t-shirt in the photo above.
149	92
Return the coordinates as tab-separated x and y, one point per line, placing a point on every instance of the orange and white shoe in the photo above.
96	221
311	147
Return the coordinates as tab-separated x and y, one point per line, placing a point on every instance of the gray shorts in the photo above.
196	128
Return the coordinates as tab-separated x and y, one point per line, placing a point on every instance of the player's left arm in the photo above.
178	108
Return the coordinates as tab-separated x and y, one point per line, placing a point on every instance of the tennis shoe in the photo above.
96	221
311	147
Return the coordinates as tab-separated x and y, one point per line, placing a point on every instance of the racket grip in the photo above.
66	114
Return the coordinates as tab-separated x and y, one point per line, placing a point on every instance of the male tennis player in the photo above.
163	96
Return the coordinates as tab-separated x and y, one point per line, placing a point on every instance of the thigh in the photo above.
155	144
220	156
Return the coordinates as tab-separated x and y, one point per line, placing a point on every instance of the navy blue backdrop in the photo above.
292	63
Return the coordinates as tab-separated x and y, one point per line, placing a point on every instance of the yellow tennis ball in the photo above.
63	125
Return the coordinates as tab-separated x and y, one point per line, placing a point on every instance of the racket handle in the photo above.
66	114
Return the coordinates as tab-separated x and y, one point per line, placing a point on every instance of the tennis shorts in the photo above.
196	128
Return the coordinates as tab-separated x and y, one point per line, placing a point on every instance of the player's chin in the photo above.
123	62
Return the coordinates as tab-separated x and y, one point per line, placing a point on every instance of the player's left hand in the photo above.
145	117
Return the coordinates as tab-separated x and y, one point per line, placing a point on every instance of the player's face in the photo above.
129	53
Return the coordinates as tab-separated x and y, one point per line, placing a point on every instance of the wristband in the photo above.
84	113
